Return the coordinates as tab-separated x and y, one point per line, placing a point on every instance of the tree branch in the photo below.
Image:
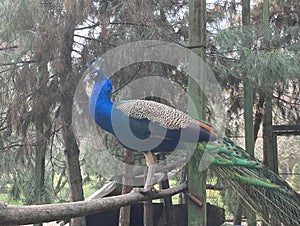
94	39
20	62
87	27
8	48
129	23
53	212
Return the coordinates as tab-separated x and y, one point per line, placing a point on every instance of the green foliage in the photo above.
266	67
20	189
262	66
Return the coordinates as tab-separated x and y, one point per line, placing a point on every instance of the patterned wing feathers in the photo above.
166	116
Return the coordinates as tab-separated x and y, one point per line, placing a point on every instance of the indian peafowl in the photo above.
154	127
167	128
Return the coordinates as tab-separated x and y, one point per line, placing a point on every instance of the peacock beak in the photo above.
94	71
98	76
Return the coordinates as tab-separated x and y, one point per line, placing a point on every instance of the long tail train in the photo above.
265	192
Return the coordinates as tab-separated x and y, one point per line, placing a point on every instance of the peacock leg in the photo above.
150	161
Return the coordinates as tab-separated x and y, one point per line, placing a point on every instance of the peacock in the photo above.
155	127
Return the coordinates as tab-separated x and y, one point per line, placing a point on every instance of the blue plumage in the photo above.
100	104
153	126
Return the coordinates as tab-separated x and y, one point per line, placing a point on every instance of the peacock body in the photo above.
152	122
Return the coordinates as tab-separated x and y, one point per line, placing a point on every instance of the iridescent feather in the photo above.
263	190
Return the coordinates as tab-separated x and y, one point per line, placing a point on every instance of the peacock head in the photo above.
96	74
96	82
102	82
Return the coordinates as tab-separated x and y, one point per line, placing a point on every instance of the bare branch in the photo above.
53	212
8	48
129	23
88	27
21	62
94	39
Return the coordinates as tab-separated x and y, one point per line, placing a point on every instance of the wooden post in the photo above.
248	88
168	206
197	179
269	150
248	102
124	217
270	153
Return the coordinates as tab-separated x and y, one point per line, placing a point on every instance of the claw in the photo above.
147	191
2	205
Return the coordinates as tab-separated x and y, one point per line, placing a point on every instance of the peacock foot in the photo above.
147	191
2	205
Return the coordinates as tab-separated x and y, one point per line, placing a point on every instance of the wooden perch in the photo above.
54	212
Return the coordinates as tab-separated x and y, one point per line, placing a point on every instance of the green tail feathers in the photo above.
231	156
262	189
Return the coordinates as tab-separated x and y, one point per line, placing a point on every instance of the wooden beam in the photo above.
281	130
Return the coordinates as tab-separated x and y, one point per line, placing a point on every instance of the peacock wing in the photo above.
162	115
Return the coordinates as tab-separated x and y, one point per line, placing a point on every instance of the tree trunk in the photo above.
40	109
71	154
258	114
40	153
39	169
69	80
196	179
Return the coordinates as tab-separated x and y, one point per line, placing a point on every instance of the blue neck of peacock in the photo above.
100	104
